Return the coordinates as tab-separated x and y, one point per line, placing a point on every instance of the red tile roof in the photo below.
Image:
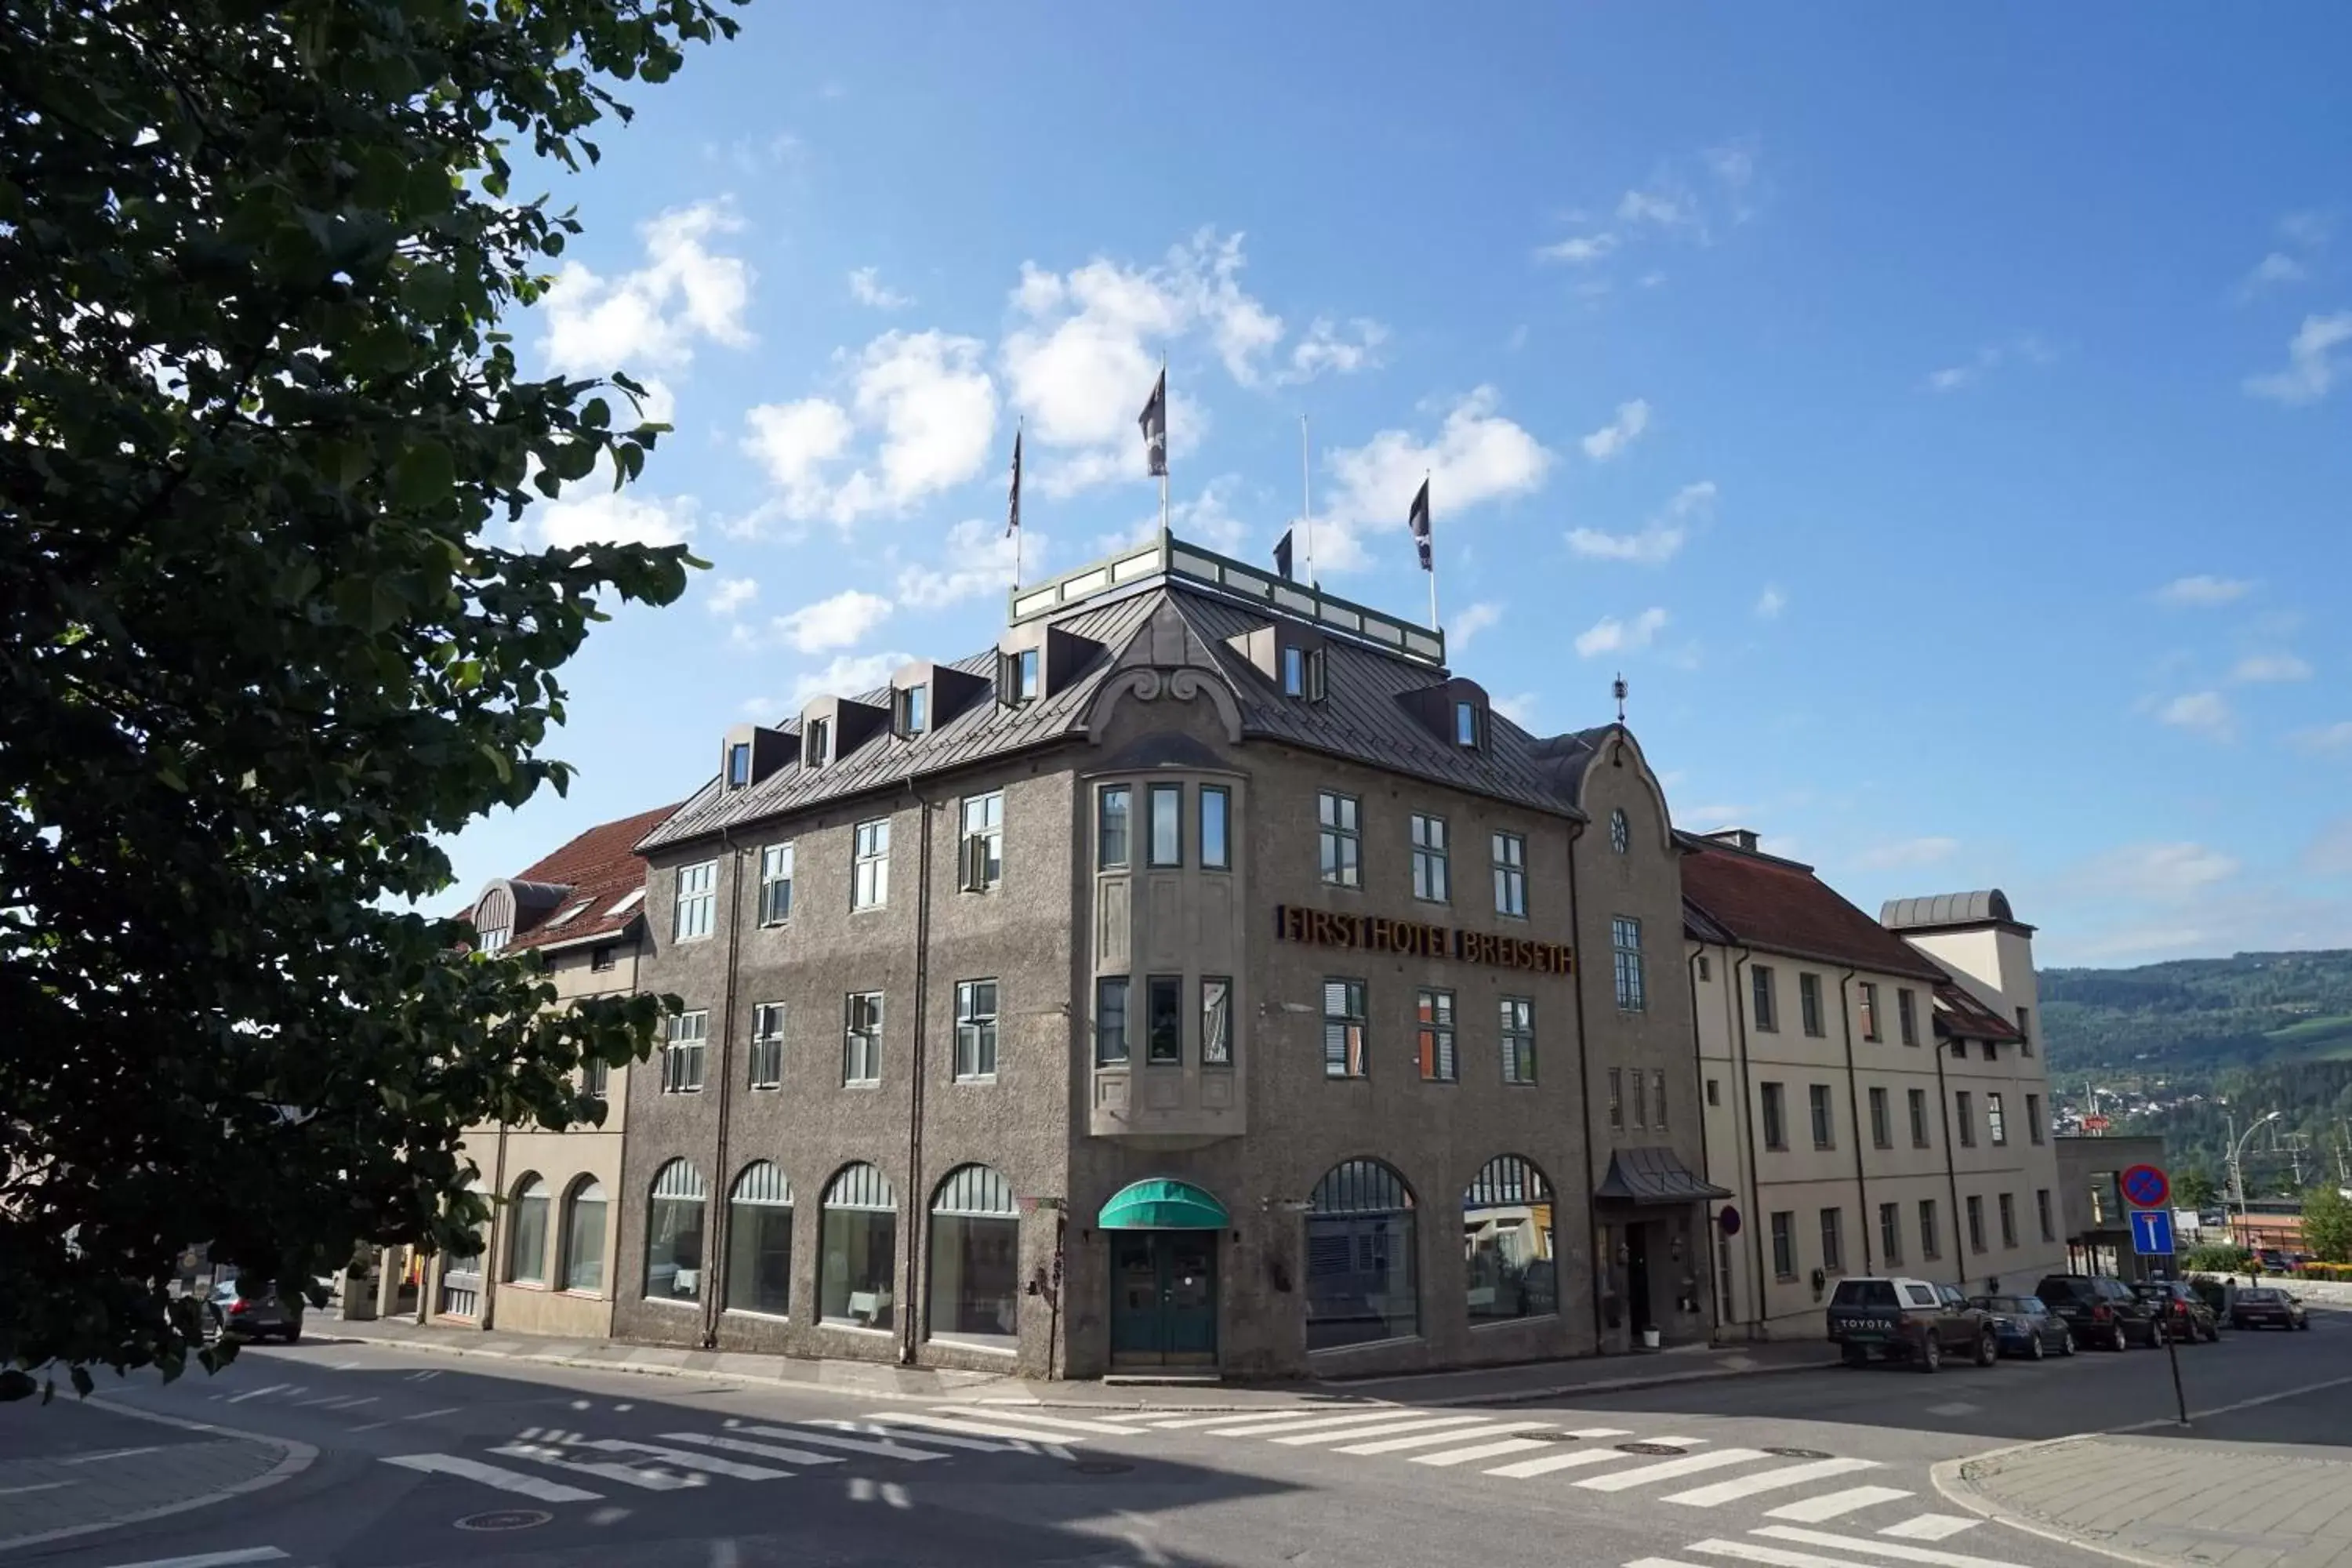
598	868
1959	1013
1783	906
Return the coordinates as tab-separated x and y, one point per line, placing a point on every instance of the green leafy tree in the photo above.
256	430
2194	1189
2328	1225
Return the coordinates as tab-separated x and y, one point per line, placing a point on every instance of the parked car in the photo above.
2185	1316
2023	1326
1910	1320
2267	1307
2102	1312
252	1310
2274	1261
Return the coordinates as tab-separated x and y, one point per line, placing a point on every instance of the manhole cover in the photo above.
1649	1448
1102	1468
1797	1453
505	1519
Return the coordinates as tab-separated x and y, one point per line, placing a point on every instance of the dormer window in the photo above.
739	764
1302	672
1018	679
914	711
817	744
493	938
1467	724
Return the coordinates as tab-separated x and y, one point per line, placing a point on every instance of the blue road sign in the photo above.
2152	1233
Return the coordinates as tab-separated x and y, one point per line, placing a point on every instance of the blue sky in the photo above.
1945	421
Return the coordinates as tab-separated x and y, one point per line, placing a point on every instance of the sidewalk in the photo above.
1519	1384
101	1466
2179	1501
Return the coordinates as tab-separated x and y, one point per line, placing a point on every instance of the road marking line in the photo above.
652	1480
1722	1492
854	1444
495	1476
972	1428
1112	1428
1251	1427
394	1420
1597	1433
708	1464
355	1404
764	1450
1482	1451
1575	1459
344	1366
426	1377
254	1392
1433	1440
1880	1548
214	1559
1226	1417
111	1454
1670	1470
1773	1556
1815	1509
1931	1526
1350	1434
322	1399
891	1434
35	1487
1656	1563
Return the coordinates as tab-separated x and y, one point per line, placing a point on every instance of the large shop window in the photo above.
583	1237
1361	1278
527	1234
975	1268
759	1241
673	1234
861	1231
1507	1241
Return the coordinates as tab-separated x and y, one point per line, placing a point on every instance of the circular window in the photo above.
1621	832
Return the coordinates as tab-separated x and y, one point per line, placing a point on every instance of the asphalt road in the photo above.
429	1460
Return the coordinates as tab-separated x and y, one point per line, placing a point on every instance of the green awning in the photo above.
1160	1204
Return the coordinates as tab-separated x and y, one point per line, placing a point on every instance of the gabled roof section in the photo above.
1779	905
1959	1015
598	868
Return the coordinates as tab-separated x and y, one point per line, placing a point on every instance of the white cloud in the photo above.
2203	590
2269	667
838	622
647	322
975	559
2204	712
846	676
605	516
1580	251
2312	361
865	286
1519	709
924	398
729	594
795	442
1207	518
1611	635
1325	348
1620	433
1663	207
1660	540
1477	456
2025	347
1771	603
1468	623
2336	737
1909	852
2155	873
2276	268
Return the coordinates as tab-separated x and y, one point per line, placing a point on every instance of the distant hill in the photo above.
2200	1015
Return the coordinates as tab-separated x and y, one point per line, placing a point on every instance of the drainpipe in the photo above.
1706	1239
1584	1073
714	1219
486	1314
916	1212
1854	1120
1747	1119
1951	1169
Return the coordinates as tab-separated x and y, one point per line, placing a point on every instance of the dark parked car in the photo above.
1908	1320
2267	1307
251	1309
2102	1312
2024	1326
2187	1317
2274	1261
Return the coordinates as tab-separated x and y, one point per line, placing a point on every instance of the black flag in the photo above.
1154	421
1418	521
1282	554
1012	514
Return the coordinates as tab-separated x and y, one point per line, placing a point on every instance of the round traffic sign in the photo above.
2147	1186
1728	1218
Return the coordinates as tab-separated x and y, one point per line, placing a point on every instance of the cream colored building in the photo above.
1870	1115
547	1264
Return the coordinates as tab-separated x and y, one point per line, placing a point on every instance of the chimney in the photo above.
1734	837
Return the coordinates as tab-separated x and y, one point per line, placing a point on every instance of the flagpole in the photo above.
1018	426
1432	553
1165	442
1306	497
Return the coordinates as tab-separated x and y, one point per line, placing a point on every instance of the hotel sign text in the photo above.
1413	938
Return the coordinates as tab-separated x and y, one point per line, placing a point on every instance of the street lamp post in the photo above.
2237	1170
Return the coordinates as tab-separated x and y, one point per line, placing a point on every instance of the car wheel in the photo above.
2066	1341
2117	1340
294	1334
2156	1335
2304	1325
2034	1350
1931	1354
1856	1355
1988	1351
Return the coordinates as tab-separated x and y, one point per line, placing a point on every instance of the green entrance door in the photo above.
1163	1307
1163	1274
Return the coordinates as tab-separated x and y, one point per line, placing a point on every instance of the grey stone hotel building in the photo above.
1203	978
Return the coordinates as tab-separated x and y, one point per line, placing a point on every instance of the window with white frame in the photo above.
1996	1121
861	1037
682	1053
983	841
870	880
1518	1035
1431	871
975	1059
1625	944
1510	853
1340	819
767	1045
698	900
775	884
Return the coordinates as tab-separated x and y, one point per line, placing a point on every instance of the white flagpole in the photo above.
1433	552
1306	497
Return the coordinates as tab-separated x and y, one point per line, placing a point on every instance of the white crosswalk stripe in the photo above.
651	1481
1671	1469
1579	1458
892	1435
1376	1429
1251	1425
880	1448
1879	1548
759	1450
1770	1556
1594	1434
1434	1439
497	1475
1834	1505
1931	1526
1720	1492
1032	1420
992	1427
1656	1562
1482	1451
709	1464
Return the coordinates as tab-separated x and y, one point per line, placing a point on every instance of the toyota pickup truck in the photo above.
1912	1320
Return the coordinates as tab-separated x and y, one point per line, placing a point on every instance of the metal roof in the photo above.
1654	1175
1986	906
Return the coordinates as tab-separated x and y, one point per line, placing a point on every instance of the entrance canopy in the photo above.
1162	1204
1654	1175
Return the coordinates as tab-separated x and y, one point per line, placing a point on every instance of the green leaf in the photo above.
423	476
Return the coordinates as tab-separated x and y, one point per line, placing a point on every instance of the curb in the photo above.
296	1457
589	1364
1955	1487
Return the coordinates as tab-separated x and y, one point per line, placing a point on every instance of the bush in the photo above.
2336	1271
2218	1258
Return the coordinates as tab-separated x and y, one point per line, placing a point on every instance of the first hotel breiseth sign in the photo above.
1413	938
